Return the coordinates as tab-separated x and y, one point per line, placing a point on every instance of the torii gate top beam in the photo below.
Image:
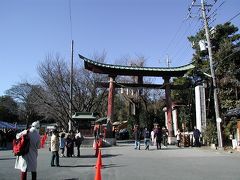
116	70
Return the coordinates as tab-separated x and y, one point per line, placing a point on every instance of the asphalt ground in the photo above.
125	163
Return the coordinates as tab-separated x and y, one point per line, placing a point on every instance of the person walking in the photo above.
196	135
78	142
164	136
96	131
178	135
69	145
146	135
72	136
153	139
55	148
62	144
137	137
158	135
28	162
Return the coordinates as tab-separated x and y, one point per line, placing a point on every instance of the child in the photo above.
178	137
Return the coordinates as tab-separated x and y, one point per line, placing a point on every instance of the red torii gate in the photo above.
114	70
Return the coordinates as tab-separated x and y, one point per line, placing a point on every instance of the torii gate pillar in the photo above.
169	106
110	110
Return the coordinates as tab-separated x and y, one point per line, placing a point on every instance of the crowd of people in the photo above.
156	137
6	136
67	141
64	141
159	136
59	141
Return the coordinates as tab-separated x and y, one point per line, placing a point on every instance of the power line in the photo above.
174	37
231	54
215	10
184	52
181	37
234	17
193	28
189	30
190	9
212	17
177	38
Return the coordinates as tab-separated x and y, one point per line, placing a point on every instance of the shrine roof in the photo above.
84	116
115	70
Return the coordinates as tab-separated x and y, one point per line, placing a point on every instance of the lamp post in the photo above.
71	90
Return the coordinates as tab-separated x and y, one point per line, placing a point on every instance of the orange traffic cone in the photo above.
98	173
99	160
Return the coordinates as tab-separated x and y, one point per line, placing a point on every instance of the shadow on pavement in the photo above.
112	165
110	155
168	149
83	156
7	158
76	166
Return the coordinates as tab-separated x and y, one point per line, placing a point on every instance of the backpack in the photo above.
21	145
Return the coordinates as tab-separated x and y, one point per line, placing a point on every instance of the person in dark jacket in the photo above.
164	136
69	145
196	135
137	137
158	136
146	135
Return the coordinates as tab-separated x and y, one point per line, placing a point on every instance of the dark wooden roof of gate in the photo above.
115	70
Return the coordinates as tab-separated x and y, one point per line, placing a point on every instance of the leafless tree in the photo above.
24	95
54	98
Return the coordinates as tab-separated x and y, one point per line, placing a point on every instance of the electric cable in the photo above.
188	32
234	17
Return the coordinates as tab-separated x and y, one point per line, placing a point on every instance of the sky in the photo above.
155	29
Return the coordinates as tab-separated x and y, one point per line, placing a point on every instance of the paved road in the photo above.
125	163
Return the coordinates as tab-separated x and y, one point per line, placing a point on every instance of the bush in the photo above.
230	128
210	133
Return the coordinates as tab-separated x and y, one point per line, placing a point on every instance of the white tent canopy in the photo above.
7	125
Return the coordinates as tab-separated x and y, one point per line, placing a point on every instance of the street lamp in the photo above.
71	90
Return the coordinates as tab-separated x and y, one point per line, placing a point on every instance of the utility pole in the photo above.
71	90
216	105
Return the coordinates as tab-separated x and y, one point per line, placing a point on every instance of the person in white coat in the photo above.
78	141
153	139
28	162
55	148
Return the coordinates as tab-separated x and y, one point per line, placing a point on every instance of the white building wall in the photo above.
175	124
166	125
200	107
